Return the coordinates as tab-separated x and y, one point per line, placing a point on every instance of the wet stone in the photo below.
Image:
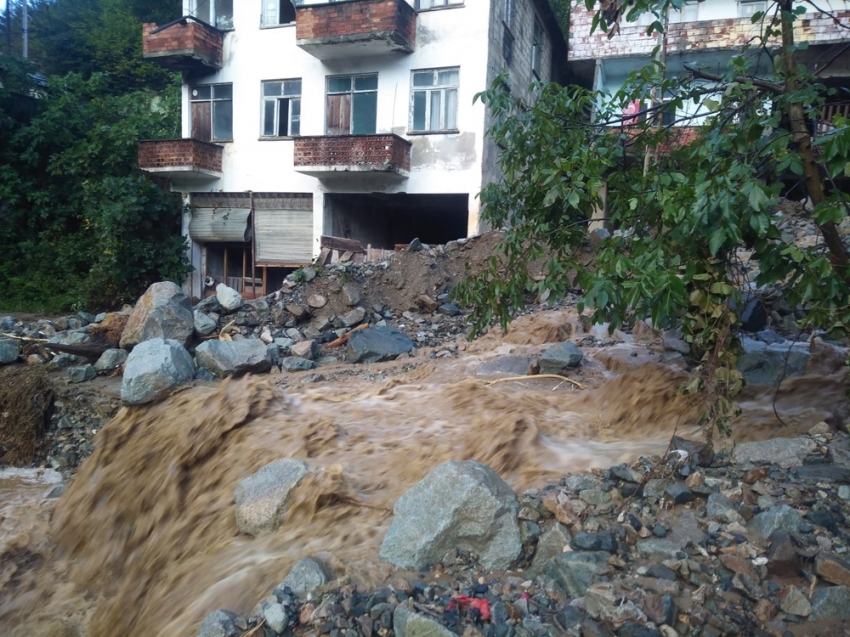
306	575
560	357
781	517
221	623
833	568
793	601
831	603
823	519
595	496
599	541
551	543
81	374
679	493
660	571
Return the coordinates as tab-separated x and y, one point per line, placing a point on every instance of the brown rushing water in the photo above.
144	542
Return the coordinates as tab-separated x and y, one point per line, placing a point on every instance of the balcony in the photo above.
187	44
182	160
333	156
354	28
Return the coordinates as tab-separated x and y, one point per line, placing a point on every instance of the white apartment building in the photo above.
349	123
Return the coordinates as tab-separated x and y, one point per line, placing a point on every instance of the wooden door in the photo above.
339	114
202	121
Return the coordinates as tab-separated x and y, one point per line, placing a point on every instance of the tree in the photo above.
682	215
80	224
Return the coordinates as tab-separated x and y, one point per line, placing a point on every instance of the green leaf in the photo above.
717	239
758	200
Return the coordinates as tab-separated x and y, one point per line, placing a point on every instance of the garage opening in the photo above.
385	220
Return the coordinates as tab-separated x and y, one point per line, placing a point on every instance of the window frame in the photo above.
677	16
442	89
213	14
352	92
211	100
444	4
760	5
275	25
277	99
537	47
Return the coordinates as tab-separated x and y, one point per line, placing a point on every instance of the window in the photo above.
510	10
688	13
433	100
212	111
282	108
537	49
749	9
218	13
507	45
424	5
352	105
277	12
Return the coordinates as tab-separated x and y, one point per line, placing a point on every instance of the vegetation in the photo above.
682	209
80	225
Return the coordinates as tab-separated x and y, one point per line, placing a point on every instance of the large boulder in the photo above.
229	299
164	312
560	357
785	452
262	499
232	358
153	369
223	623
10	350
459	505
306	575
203	323
379	343
763	364
111	359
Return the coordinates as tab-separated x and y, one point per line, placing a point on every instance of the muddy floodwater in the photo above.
144	541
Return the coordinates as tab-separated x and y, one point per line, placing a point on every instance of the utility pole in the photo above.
25	30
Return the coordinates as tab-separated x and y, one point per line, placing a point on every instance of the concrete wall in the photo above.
440	163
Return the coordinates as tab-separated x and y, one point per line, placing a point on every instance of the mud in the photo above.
144	541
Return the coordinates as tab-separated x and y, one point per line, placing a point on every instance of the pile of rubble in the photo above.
692	543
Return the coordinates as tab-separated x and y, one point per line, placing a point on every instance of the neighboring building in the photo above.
705	34
352	119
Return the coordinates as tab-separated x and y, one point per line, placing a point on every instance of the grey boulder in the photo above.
222	623
459	505
164	312
832	602
406	623
781	517
785	452
296	364
574	572
559	357
262	499
229	299
10	350
379	343
763	364
111	359
153	369
306	575
81	374
203	324
233	358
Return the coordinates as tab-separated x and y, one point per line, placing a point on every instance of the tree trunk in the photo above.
803	140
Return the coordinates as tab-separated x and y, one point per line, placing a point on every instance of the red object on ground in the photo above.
481	605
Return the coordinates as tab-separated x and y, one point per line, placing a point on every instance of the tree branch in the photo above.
769	86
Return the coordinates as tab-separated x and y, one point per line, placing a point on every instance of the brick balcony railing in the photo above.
179	155
183	45
356	28
701	35
364	153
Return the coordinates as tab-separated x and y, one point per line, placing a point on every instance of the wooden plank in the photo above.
346	256
338	243
323	256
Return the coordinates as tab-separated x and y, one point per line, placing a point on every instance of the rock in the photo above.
763	364
679	493
229	299
559	357
826	359
699	453
574	573
222	623
753	314
297	311
764	610
162	312
785	452
748	586
406	623
721	508
272	613
509	364
595	497
844	492
600	541
10	350
794	602
203	324
831	603
781	517
661	609
448	309
306	575
659	571
305	349
416	245
296	364
111	359
458	505
782	555
81	374
350	294
309	273
833	568
352	318
262	499
7	323
317	301
600	599
550	544
208	305
598	235
379	343
232	358
153	369
824	519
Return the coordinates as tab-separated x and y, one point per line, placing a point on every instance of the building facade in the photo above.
353	120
